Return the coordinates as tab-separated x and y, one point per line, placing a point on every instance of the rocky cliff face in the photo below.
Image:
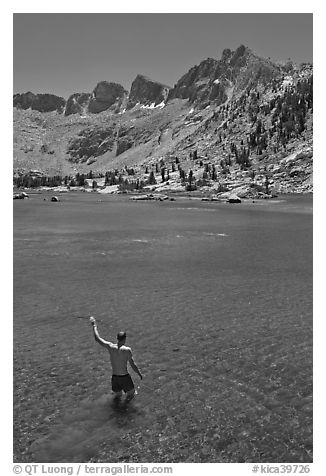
197	84
105	96
215	80
39	102
77	103
147	92
91	142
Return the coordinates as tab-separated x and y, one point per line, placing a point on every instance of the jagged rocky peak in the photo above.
215	80
240	55
226	55
236	58
39	102
77	103
24	100
196	84
106	95
147	92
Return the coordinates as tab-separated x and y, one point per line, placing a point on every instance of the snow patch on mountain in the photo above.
152	106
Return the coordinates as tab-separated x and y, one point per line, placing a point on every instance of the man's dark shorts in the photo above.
122	382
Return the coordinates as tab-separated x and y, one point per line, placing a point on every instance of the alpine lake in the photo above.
216	300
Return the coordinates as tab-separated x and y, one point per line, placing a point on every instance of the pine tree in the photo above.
151	179
190	177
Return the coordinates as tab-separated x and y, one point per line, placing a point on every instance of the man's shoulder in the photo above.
111	345
125	348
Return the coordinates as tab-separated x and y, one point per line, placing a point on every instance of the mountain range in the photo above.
224	120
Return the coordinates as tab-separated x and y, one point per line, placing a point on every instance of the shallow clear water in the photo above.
216	300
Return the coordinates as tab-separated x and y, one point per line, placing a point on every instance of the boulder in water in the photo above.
234	199
20	196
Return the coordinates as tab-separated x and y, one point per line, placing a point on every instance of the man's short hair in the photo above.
121	335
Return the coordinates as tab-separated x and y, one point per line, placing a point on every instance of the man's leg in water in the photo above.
117	395
116	388
130	394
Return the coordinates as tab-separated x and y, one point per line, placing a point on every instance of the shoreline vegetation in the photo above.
145	195
199	178
263	188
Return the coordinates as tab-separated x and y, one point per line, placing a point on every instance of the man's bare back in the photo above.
119	356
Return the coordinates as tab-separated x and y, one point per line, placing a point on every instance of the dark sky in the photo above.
67	53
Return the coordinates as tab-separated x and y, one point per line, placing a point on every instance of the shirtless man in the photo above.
120	355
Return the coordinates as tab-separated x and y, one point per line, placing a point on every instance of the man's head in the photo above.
121	336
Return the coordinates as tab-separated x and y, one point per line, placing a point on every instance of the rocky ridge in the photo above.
106	95
77	103
235	122
39	102
214	81
147	92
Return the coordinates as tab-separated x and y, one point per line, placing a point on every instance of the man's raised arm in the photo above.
98	339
